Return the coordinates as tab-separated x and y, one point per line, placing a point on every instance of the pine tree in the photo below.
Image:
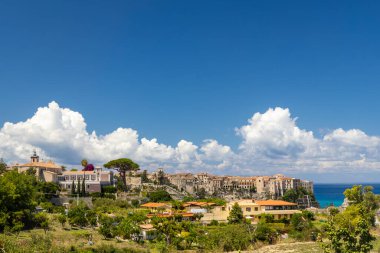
73	188
83	187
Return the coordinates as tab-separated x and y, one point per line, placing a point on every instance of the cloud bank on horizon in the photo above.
271	142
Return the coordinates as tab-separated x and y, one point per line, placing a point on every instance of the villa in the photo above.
51	172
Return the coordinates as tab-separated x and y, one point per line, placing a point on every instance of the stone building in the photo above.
51	172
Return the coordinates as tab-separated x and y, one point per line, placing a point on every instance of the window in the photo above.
87	177
93	177
72	177
80	177
248	209
66	178
68	186
223	208
88	186
256	209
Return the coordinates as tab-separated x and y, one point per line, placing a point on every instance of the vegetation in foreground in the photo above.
114	225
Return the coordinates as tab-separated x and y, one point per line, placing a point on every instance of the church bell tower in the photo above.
35	158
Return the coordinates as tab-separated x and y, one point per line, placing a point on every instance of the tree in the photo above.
84	163
168	227
83	187
300	222
62	219
73	192
236	214
109	189
79	188
265	233
159	196
42	221
91	217
48	189
106	227
77	215
161	176
17	200
127	228
122	165
349	231
201	193
144	177
3	166
291	195
198	216
266	217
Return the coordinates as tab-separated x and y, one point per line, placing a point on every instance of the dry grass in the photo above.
296	247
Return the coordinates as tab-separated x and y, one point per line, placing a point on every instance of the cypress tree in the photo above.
83	187
73	188
78	188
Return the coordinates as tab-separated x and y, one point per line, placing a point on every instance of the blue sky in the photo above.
192	70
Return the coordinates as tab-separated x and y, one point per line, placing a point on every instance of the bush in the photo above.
159	196
227	238
214	223
135	202
77	215
265	233
109	189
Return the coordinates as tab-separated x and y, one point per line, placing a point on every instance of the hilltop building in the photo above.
94	180
51	172
45	171
262	186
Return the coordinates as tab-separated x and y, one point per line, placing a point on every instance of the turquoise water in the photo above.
327	194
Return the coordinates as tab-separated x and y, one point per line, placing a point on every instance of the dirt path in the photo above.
297	247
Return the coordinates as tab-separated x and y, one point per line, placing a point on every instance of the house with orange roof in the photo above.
154	208
198	207
252	209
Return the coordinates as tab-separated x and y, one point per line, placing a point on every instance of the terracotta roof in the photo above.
274	203
81	172
146	226
167	215
156	205
194	203
49	165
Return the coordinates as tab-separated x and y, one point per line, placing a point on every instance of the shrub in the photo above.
159	196
265	233
214	223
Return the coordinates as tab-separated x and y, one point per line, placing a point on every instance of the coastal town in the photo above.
203	197
230	188
121	202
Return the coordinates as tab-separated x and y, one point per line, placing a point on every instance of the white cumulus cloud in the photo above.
271	142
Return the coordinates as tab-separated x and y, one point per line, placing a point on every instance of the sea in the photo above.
332	194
